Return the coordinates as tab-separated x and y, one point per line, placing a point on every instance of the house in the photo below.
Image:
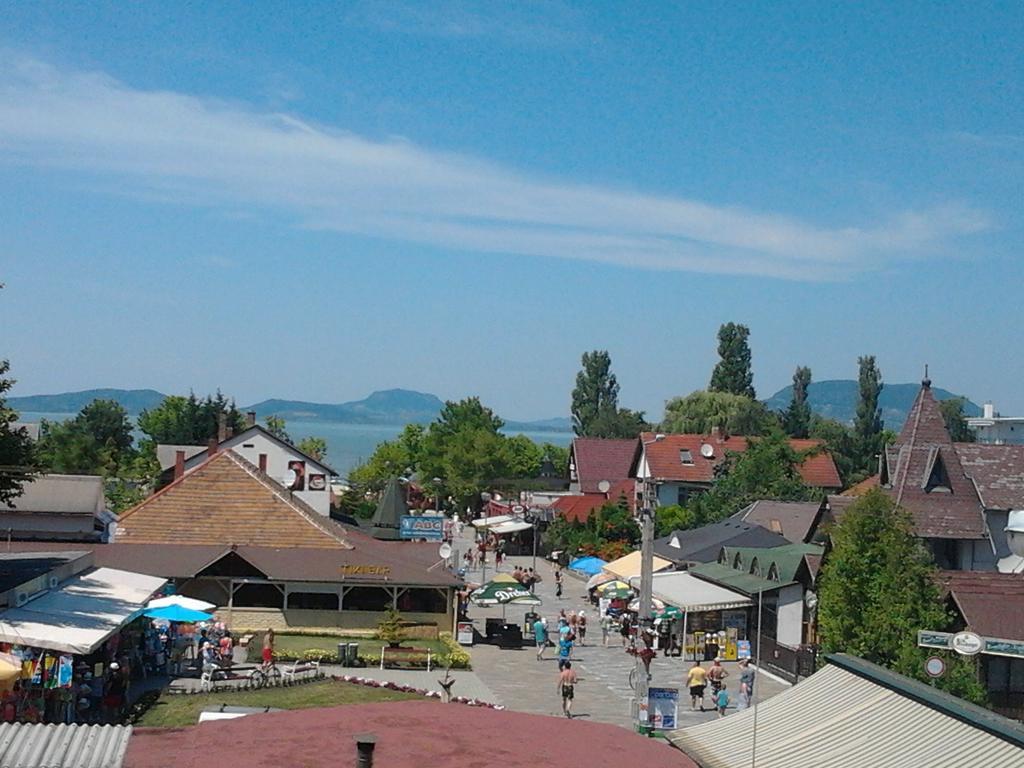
228	533
579	507
797	521
305	476
680	466
596	464
997	472
851	714
58	508
704	544
992	428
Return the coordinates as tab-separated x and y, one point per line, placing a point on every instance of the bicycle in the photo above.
265	675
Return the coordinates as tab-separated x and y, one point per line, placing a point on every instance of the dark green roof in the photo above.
741	581
787	559
973	715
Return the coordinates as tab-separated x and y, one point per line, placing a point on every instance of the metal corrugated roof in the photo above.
23	745
846	720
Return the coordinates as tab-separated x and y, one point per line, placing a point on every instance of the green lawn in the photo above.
175	710
297	644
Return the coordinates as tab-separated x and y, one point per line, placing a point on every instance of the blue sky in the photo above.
315	201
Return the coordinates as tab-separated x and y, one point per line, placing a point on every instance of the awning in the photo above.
79	616
688	593
628	566
490	522
511	526
588	566
846	720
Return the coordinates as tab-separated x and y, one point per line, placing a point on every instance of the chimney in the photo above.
365	742
222	427
179	464
211	447
263	463
716	432
988	410
250	419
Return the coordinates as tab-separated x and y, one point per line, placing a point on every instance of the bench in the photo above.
411	656
296	668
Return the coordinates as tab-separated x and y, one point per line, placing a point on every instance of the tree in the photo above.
956	420
391	458
277	427
700	412
867	426
189	420
673	518
767	469
796	421
841	445
596	393
313	446
622	423
17	453
733	372
878	588
97	441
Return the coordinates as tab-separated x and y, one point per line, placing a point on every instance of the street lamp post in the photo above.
645	614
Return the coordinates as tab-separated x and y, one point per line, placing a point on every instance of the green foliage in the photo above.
673	518
313	446
596	392
390	628
867	427
956	420
454	655
17	453
277	427
610	532
733	373
796	421
842	446
622	424
97	441
878	588
700	412
189	420
766	470
390	459
557	456
524	456
124	494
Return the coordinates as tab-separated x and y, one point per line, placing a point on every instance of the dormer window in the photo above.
685	457
936	474
773	572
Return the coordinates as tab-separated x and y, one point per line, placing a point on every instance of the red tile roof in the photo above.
410	734
664	458
862	487
997	471
954	513
598	459
579	508
992	604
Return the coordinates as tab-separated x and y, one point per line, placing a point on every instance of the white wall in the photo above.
791	615
1000	431
251	443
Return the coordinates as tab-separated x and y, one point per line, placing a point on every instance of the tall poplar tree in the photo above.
733	372
595	398
867	427
797	418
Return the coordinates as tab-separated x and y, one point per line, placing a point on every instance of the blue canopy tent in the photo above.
588	565
177	613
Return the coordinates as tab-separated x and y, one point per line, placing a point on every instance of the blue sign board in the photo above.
662	705
427	527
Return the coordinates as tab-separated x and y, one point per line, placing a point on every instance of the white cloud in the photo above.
228	155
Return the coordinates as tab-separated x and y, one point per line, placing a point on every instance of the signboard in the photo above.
994	646
365	570
464	633
742	649
967	643
934	666
662	708
414	527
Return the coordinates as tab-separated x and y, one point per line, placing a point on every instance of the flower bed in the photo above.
390	686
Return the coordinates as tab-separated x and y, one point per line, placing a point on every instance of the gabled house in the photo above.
595	461
797	521
579	507
998	474
704	545
58	508
681	466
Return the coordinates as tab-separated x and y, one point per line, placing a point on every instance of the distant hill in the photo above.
837	399
390	406
558	424
135	401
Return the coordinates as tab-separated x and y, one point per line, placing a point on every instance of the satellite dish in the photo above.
707	450
444	551
810	600
604	486
1015	532
290	477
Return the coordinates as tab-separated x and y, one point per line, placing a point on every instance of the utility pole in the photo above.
645	615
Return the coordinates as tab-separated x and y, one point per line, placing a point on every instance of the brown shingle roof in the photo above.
226	500
992	604
664	459
997	471
924	443
598	459
795	520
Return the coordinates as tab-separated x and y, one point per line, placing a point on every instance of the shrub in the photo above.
454	656
390	629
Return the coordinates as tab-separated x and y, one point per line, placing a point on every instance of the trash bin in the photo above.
510	636
353	654
343	654
492	629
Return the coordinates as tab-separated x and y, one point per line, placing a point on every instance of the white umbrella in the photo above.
598	579
180	600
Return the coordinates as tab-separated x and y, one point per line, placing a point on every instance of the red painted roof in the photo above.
579	508
992	604
409	734
665	458
598	459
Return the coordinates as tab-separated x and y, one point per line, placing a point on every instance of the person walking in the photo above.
558	583
624	629
268	647
717	675
581	627
696	681
606	629
540	636
722	700
564	649
567	687
747	679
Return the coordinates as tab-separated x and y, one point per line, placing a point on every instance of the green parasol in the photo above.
501	592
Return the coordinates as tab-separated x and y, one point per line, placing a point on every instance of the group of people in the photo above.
526	576
572	628
698	678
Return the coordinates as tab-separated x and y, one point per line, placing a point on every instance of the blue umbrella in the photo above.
588	565
177	613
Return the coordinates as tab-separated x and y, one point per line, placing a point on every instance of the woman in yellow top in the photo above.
696	681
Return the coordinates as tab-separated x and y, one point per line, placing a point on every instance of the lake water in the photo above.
347	444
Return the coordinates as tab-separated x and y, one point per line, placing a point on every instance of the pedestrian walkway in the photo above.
603	693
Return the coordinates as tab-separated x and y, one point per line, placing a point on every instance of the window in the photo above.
258	596
682	496
367	599
313	601
422	601
685	457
